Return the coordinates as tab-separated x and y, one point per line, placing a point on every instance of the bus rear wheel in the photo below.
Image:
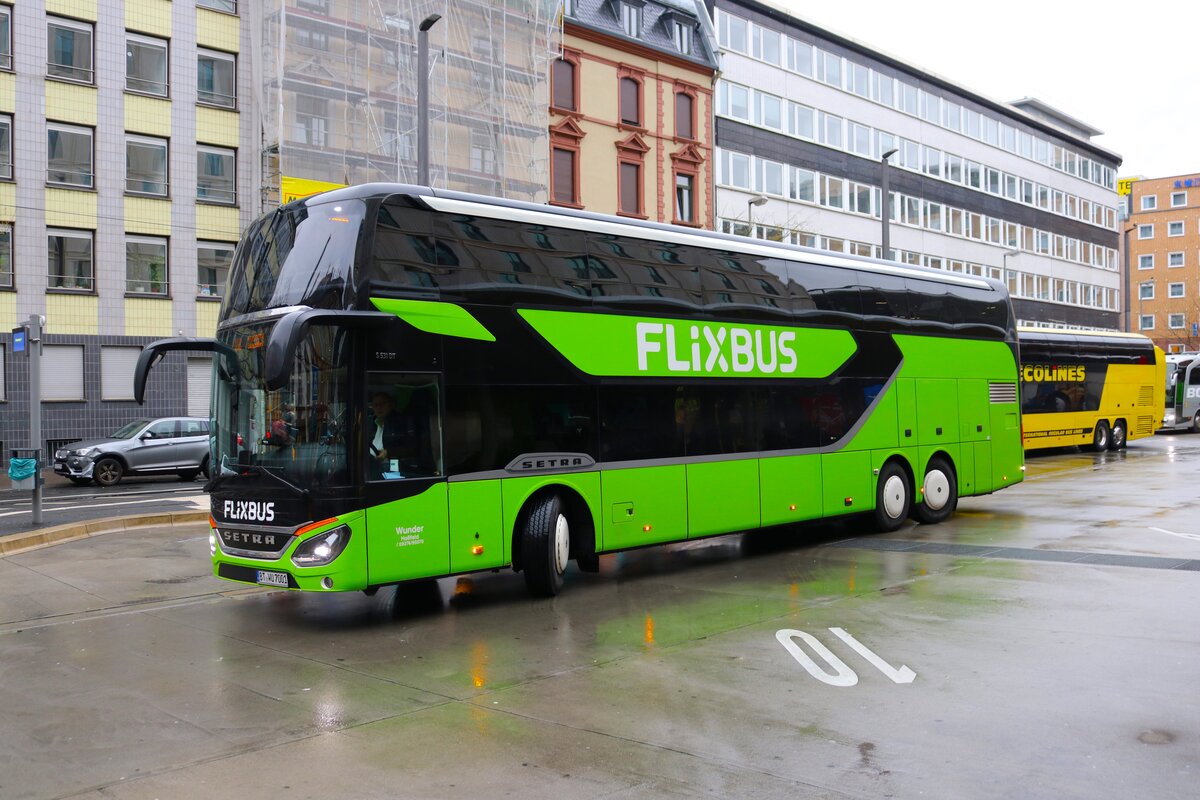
893	498
1100	436
1117	440
545	546
1196	423
939	493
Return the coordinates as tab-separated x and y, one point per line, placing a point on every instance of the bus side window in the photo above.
404	254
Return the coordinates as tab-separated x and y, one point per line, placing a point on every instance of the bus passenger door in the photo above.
406	491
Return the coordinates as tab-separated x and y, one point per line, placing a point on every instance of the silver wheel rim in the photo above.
1101	437
937	490
1118	434
562	544
893	496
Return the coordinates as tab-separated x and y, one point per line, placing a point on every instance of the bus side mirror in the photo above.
290	331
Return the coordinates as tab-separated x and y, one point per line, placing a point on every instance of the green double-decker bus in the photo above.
411	383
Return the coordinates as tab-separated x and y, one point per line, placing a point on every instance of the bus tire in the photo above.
1196	423
1118	439
1100	436
893	497
939	493
545	546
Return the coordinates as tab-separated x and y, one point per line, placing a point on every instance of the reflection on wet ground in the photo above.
1047	661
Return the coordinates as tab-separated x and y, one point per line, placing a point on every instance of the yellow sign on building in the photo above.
294	188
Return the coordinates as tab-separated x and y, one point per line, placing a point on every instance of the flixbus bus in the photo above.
1183	392
556	384
1095	389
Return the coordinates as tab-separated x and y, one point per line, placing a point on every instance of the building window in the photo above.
1175	259
6	37
312	120
65	362
1178	199
6	172
6	245
216	175
117	365
483	152
563	78
631	19
69	50
1145	231
146	166
1175	289
631	101
145	265
1175	228
1149	202
70	259
228	6
681	33
68	155
685	119
630	190
1175	321
1146	322
685	198
145	65
216	79
212	267
1146	290
563	167
1146	261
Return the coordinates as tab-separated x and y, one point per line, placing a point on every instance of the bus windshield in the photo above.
292	436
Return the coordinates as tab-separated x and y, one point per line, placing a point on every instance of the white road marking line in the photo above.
1192	536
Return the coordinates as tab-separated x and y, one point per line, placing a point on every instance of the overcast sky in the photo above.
1135	76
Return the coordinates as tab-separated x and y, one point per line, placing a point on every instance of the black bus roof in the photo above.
589	221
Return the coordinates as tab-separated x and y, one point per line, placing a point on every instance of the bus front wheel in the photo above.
545	546
1100	437
1117	440
893	497
1196	423
939	493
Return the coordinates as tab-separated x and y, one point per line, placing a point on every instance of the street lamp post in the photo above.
750	204
423	98
885	212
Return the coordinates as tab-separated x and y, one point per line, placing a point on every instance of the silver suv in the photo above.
143	447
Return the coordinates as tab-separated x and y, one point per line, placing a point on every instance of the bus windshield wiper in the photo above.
245	469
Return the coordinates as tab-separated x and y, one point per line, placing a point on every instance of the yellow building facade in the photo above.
631	112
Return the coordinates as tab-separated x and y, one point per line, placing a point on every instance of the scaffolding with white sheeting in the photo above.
337	88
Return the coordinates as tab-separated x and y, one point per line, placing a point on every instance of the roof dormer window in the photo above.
681	34
631	19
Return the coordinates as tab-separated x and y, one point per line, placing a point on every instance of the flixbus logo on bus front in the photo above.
721	348
626	346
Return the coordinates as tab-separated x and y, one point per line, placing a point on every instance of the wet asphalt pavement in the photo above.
1041	644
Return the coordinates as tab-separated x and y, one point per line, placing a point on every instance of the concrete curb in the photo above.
23	542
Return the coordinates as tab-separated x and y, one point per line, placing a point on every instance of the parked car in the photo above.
143	447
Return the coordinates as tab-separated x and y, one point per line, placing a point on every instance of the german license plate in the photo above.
268	578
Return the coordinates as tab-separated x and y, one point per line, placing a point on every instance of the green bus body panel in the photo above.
847	481
937	411
965	467
662	347
433	316
712	507
476	519
975	419
880	428
906	411
935	357
516	491
409	538
641	497
790	481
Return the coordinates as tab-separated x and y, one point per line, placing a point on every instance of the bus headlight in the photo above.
322	548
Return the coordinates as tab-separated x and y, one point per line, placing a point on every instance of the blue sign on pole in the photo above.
18	340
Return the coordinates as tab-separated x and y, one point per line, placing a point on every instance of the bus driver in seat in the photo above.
398	446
